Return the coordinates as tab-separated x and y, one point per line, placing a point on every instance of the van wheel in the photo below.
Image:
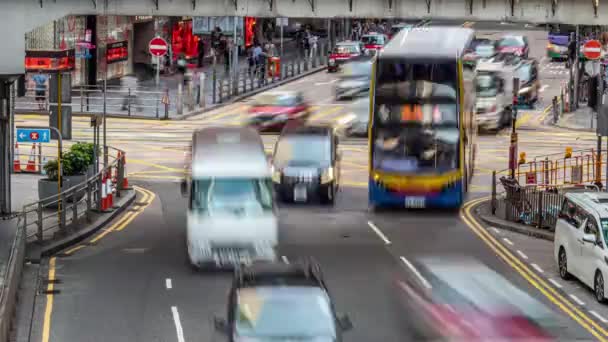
563	264
598	287
329	197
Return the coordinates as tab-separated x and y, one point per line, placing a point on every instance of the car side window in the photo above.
591	227
580	216
568	213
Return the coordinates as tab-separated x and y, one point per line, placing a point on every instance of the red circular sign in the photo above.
592	49
34	136
158	47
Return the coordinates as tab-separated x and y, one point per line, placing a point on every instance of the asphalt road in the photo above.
130	284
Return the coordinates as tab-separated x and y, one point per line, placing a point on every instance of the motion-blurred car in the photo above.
479	48
529	89
355	78
460	299
281	302
514	44
397	28
343	52
306	164
272	110
373	42
356	123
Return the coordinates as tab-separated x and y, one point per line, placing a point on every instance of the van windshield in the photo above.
232	196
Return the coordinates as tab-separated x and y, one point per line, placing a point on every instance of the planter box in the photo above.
74	181
48	188
91	171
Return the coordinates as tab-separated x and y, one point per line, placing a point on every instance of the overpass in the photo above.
19	16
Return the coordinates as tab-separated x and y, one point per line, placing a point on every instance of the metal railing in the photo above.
61	212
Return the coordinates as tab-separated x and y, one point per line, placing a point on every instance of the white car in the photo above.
580	240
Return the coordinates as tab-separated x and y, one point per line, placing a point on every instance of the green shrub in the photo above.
74	163
52	170
86	150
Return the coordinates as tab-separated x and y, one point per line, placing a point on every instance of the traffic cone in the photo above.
125	180
104	194
109	192
31	163
16	162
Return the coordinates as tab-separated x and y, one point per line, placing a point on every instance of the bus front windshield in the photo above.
416	122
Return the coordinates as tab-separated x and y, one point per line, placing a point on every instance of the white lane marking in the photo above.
168	283
285	260
413	269
537	268
542	89
324	83
178	324
496	230
521	254
575	298
508	241
555	283
598	316
379	232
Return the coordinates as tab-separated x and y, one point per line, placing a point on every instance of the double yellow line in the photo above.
539	283
147	199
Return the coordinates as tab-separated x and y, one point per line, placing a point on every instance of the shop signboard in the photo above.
117	52
50	60
204	25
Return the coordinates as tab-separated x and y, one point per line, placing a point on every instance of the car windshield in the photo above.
276	100
511	42
340	49
237	196
302	149
373	40
486	84
295	312
485	50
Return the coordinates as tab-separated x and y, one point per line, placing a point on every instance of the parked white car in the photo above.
580	247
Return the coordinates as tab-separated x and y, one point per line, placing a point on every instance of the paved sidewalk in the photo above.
583	119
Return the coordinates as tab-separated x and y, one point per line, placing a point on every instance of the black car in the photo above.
306	164
281	302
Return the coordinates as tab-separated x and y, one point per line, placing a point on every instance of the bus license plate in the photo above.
300	193
415	202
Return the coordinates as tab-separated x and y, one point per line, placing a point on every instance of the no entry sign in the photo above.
592	49
158	47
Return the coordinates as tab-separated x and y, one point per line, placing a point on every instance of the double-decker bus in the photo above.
422	129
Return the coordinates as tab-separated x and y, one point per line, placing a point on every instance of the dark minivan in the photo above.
306	164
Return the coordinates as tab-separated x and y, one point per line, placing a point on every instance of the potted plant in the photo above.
86	150
75	166
48	187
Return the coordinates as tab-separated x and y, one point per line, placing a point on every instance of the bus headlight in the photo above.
327	176
276	175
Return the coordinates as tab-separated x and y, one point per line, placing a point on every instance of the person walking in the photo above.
40	80
201	53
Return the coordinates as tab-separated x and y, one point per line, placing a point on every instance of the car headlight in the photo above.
327	176
276	175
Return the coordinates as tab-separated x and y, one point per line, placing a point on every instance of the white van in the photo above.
232	217
580	248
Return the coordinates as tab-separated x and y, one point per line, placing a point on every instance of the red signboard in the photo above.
158	47
531	177
50	60
117	52
592	49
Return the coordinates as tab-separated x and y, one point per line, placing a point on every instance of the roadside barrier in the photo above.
32	165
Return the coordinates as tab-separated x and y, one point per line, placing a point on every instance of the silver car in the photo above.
356	123
354	79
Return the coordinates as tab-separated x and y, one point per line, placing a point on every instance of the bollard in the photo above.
554	108
180	98
201	90
214	81
220	92
166	102
129	102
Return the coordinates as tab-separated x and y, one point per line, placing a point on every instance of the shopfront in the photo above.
183	40
114	47
59	46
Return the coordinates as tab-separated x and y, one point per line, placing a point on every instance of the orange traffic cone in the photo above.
109	191
16	162
125	180
31	163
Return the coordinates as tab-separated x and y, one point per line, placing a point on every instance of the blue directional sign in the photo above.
33	135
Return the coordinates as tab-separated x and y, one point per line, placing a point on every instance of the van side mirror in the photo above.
220	325
589	238
345	323
184	187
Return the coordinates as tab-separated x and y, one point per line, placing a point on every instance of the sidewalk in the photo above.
148	102
583	119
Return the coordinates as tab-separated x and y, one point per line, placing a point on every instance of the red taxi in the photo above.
514	44
273	110
373	42
342	53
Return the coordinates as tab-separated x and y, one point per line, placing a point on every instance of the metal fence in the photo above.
58	214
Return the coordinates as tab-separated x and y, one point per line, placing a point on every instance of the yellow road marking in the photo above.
48	311
549	292
524	119
324	113
354	184
158	166
74	249
157	177
148	201
545	113
154	172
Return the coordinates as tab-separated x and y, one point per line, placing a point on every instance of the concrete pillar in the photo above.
66	105
6	162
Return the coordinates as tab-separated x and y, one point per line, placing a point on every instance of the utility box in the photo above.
66	104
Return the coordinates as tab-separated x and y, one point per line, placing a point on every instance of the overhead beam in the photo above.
470	3
350	5
312	4
428	6
236	4
596	5
390	5
271	4
155	2
41	3
553	7
94	3
193	5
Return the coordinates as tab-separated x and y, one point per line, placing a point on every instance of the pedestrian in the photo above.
201	53
40	88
